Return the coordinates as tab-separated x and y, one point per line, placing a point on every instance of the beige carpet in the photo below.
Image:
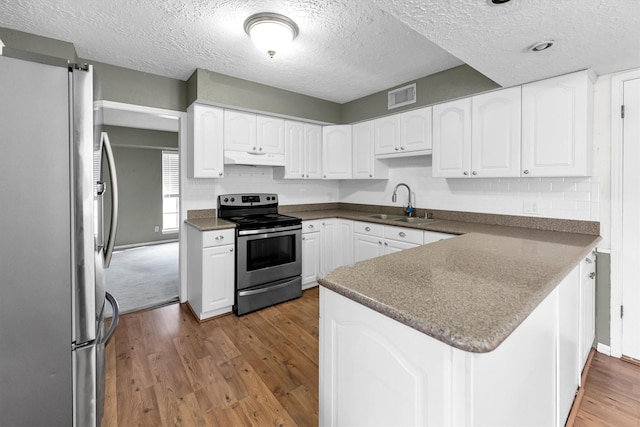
144	277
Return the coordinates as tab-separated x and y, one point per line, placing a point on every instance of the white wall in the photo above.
203	193
567	198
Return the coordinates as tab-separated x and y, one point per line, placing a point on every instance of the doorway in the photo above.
146	268
625	250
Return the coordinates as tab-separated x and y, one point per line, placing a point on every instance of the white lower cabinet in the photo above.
336	242
587	307
210	271
310	253
372	240
377	371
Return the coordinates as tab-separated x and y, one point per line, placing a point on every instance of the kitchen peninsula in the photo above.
487	328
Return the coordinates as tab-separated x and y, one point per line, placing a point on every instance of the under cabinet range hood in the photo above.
250	158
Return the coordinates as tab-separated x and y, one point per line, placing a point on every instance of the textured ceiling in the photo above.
346	49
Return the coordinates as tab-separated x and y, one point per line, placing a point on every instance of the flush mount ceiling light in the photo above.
543	45
270	32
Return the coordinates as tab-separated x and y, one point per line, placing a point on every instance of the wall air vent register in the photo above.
402	96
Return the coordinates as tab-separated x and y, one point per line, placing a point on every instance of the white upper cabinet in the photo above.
415	130
387	134
556	126
205	143
336	152
303	150
452	139
240	131
495	134
251	133
270	135
365	165
478	137
403	134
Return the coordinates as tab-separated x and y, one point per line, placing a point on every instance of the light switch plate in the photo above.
530	207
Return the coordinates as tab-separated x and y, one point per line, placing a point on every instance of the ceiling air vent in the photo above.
402	96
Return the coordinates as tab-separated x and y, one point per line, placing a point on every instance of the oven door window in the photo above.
271	252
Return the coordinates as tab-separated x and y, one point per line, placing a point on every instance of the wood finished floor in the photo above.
166	369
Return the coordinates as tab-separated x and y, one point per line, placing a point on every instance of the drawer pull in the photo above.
379	242
402	234
592	275
304	238
367	229
219	237
310	226
231	250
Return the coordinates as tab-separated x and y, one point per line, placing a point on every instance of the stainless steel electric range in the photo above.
268	250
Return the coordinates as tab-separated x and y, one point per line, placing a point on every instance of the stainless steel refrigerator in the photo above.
52	249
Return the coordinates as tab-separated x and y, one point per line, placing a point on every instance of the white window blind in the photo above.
170	191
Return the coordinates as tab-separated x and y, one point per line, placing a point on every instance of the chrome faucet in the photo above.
409	210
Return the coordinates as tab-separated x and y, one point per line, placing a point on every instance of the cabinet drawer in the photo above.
218	238
311	226
404	234
368	228
434	236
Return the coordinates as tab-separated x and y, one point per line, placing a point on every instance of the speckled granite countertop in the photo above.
471	291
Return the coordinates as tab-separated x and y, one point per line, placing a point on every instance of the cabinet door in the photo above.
327	248
218	277
270	135
495	136
568	371
294	150
363	155
310	257
366	247
336	152
313	151
587	307
240	131
391	246
415	130
387	134
556	140
206	147
343	242
452	139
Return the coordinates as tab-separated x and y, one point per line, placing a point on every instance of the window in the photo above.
170	191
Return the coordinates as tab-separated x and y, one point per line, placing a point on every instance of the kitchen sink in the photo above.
414	220
386	216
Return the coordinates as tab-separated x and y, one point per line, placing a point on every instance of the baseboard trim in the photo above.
604	349
137	245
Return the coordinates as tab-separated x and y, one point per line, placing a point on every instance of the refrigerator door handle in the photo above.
114	320
111	240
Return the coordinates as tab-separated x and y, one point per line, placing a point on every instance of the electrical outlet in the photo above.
531	207
156	228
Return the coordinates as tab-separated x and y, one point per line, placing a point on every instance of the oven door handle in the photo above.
265	289
269	230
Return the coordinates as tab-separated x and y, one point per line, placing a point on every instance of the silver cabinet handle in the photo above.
402	148
111	240
396	148
379	242
220	174
260	149
402	234
307	175
302	175
219	237
588	260
304	238
386	244
465	173
370	176
324	176
231	250
474	173
526	171
592	275
254	148
367	229
310	225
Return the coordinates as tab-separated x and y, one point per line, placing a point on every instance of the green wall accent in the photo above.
140	183
443	86
232	92
136	87
38	44
603	298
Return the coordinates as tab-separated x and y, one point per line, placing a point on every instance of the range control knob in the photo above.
226	199
268	198
233	200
